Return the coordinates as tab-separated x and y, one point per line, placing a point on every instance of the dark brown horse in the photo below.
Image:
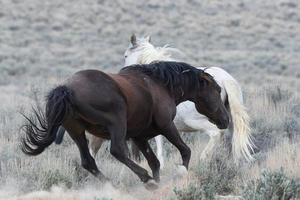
138	103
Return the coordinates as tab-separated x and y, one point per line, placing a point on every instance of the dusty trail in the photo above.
108	191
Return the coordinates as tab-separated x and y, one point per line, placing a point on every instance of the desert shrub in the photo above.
292	122
55	178
296	110
215	177
278	117
272	185
292	127
191	192
277	95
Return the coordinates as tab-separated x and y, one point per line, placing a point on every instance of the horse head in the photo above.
209	103
142	51
137	48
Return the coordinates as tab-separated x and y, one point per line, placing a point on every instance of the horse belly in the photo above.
146	133
139	121
140	112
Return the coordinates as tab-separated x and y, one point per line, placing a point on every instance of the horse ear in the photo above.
148	38
133	40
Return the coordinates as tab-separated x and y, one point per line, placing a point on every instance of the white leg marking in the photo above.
159	144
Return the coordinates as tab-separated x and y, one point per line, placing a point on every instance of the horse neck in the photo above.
181	95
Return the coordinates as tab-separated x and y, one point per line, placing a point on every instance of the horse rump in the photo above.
41	127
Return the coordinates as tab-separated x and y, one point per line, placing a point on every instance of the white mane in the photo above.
151	53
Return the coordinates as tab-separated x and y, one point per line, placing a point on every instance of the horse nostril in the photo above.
223	126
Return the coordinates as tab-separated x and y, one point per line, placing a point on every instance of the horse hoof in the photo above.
182	171
151	185
157	179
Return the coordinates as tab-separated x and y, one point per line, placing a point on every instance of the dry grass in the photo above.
283	155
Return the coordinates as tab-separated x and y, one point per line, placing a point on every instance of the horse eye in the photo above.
125	56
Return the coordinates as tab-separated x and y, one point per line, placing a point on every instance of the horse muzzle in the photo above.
222	125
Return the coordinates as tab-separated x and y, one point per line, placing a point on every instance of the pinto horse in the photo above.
138	103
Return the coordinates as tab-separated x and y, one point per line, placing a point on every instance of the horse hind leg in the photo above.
77	133
215	138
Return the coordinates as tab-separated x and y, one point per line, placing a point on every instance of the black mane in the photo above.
176	76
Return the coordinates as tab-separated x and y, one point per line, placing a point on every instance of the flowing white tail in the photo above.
242	144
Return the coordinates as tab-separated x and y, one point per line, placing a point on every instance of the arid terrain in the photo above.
43	42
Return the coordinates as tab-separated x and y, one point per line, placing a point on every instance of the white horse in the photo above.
187	119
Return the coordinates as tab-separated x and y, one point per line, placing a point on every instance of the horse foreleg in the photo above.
173	136
159	151
214	139
151	158
119	150
210	129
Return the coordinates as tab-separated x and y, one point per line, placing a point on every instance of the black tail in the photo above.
41	128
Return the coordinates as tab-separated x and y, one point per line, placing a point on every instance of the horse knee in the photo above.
115	152
118	153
